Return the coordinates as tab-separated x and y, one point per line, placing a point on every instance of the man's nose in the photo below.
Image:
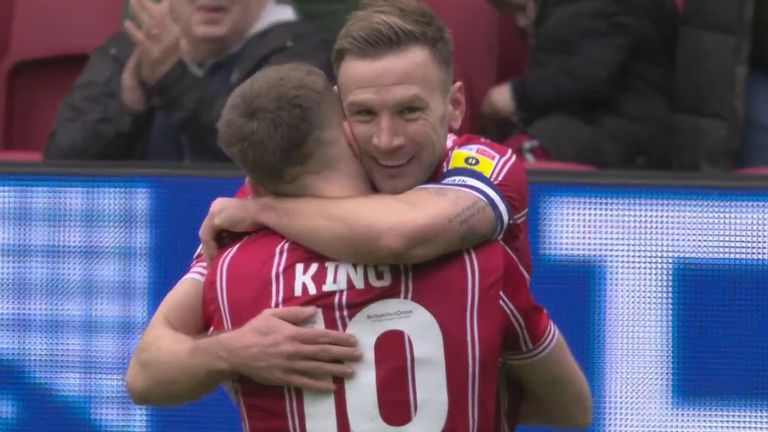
389	136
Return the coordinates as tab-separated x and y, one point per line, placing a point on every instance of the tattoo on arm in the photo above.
469	235
465	215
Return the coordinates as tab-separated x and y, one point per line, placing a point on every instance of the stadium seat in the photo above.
6	14
486	45
762	171
20	156
558	166
48	44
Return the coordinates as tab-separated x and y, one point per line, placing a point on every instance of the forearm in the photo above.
174	361
170	367
93	122
408	228
84	132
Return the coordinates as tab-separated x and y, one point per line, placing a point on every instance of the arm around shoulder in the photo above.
412	227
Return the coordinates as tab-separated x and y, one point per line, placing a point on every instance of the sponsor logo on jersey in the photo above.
475	157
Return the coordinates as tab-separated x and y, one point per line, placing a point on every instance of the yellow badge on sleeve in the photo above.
473	160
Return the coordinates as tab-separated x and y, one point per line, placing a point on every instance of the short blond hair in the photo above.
383	27
272	122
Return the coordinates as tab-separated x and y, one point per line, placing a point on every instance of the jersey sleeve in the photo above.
529	332
494	174
198	269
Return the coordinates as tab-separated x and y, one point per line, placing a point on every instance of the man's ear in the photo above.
457	105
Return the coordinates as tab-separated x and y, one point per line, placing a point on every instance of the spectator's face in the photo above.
399	109
216	21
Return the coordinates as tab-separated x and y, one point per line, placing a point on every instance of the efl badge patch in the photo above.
478	158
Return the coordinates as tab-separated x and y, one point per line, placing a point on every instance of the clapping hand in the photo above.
157	38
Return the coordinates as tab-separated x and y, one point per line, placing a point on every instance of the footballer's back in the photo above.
430	334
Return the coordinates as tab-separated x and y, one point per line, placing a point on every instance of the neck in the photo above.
337	184
339	175
207	52
334	173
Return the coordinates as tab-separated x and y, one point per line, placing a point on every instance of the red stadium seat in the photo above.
558	166
486	45
20	156
762	171
48	45
6	14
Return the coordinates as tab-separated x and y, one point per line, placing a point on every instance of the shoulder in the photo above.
265	247
476	144
286	35
287	42
478	154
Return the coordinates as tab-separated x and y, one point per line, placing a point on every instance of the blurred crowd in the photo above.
609	84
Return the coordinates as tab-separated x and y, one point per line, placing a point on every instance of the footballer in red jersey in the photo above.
431	334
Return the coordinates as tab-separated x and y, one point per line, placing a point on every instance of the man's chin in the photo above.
209	33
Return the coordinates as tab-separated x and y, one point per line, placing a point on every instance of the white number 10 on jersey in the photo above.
361	395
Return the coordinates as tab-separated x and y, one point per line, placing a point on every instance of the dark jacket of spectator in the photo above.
93	123
760	36
713	51
599	86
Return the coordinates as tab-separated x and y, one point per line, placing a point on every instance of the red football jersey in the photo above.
431	334
495	174
199	268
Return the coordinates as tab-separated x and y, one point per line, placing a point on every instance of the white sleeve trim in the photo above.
539	351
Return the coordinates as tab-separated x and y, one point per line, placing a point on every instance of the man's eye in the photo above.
411	111
363	114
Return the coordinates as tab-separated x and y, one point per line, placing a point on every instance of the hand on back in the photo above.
273	348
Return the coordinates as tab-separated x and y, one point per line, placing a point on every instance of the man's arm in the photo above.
411	227
536	358
483	194
555	391
93	122
175	362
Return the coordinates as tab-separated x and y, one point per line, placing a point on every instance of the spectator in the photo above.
161	101
755	146
599	85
